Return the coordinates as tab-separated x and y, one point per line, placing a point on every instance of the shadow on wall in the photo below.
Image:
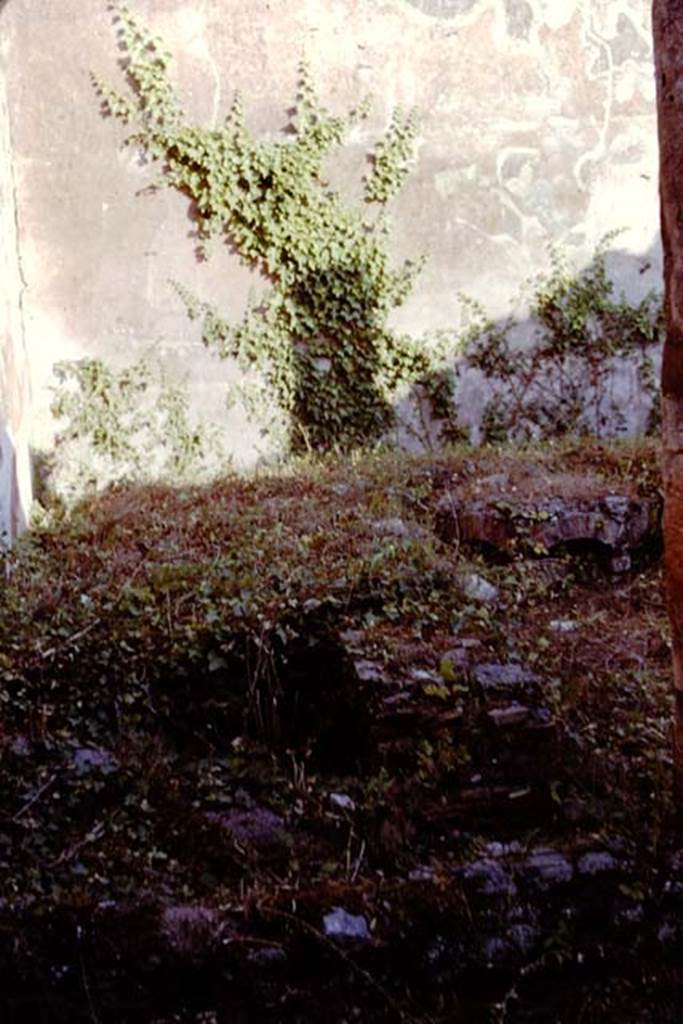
12	514
585	359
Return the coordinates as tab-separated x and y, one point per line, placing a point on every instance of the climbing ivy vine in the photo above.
329	367
319	337
122	425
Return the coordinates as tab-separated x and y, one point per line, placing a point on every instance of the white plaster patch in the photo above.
6	486
556	13
647	85
15	486
626	84
447	183
190	28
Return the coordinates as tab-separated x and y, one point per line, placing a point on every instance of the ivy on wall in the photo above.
127	425
327	364
319	336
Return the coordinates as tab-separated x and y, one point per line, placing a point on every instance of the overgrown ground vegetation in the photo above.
234	713
169	656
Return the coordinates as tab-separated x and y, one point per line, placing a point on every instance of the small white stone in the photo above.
564	626
596	862
342	925
421	874
476	588
424	675
343	801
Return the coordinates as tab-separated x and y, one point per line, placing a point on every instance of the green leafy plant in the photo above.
329	370
560	382
319	337
121	425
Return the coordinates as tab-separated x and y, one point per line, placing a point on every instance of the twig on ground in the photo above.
36	796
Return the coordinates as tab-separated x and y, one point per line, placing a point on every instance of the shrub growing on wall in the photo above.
582	341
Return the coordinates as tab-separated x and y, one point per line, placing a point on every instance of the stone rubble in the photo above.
617	524
340	924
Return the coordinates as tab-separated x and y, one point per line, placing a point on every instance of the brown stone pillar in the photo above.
668	44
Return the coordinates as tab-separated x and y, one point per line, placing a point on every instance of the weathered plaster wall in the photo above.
537	124
15	478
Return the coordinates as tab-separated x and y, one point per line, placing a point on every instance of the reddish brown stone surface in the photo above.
668	37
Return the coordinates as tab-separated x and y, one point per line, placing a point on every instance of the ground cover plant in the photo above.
230	712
